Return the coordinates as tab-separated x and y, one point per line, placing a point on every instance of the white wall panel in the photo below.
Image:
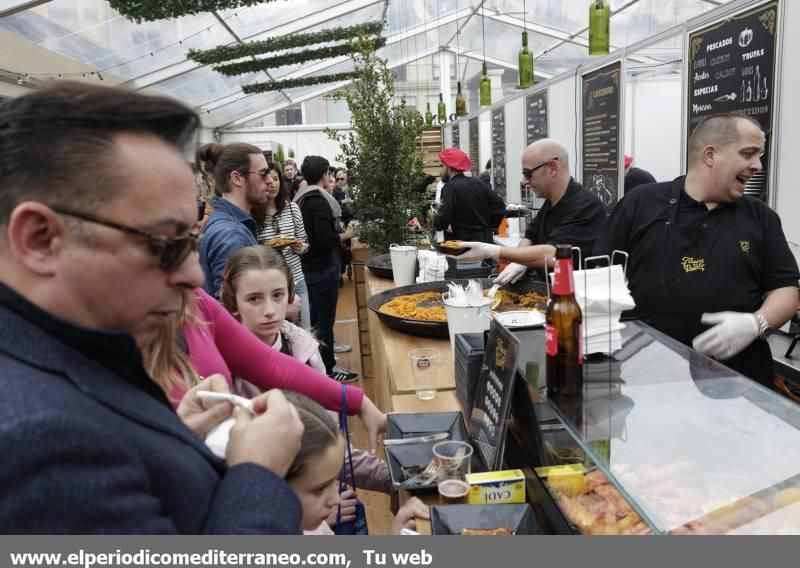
515	144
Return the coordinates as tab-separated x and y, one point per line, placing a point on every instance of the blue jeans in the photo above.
301	289
323	290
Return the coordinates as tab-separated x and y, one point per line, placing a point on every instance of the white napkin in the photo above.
432	266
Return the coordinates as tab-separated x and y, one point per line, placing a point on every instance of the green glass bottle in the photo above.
486	88
291	152
442	111
525	64
599	27
461	104
428	117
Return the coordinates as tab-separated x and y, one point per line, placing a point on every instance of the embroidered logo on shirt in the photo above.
691	264
745	246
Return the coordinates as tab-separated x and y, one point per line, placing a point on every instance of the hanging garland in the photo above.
301	82
148	10
254	65
229	52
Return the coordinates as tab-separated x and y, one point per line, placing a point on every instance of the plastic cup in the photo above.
423	371
453	459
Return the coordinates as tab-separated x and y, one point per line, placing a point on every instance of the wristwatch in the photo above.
763	325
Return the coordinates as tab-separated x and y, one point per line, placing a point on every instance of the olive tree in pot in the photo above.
382	153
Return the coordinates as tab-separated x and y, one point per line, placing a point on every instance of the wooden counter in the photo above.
390	349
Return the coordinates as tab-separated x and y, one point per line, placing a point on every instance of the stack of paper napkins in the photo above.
432	266
603	295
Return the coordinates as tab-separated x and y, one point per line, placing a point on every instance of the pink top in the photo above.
220	344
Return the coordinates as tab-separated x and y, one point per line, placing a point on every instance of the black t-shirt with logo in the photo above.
723	259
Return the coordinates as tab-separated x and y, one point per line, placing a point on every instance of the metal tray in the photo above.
381	265
436	329
451	519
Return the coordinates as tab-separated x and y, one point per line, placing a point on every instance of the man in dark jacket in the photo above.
89	442
321	263
571	214
469	208
634	177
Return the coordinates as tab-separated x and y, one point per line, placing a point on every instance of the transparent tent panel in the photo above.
107	41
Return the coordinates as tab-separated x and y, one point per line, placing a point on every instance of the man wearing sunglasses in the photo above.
570	215
240	171
98	248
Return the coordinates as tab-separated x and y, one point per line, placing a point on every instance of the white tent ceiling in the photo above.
151	55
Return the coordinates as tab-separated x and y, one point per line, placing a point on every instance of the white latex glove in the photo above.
478	251
733	332
511	274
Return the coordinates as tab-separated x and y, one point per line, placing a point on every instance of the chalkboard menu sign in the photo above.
474	146
732	69
456	133
499	150
536	116
601	101
488	422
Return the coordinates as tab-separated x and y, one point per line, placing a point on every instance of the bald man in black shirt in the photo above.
571	214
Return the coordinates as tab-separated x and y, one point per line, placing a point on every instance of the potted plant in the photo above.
382	153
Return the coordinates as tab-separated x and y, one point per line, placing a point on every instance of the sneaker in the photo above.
343	375
341	347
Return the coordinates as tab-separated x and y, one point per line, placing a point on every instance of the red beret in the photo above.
628	161
455	158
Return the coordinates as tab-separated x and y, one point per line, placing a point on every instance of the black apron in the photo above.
699	263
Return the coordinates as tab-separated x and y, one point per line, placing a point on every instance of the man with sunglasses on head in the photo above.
98	249
570	215
470	210
240	171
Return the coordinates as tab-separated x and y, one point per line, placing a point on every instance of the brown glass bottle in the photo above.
461	103
563	331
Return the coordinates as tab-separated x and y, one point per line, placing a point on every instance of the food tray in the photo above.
280	242
381	265
448	250
407	425
437	329
451	519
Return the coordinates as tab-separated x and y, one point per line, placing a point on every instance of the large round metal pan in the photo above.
435	328
381	265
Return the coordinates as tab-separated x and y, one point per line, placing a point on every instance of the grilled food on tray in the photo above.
281	241
600	509
451	244
500	531
428	306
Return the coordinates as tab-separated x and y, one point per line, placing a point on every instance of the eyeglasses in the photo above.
171	251
339	179
526	173
262	173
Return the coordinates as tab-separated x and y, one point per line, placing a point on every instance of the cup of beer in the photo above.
453	459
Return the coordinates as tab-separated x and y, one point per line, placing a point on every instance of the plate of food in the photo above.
452	248
480	520
281	241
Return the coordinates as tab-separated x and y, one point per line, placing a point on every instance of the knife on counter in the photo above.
418	440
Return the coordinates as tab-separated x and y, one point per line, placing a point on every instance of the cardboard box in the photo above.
496	487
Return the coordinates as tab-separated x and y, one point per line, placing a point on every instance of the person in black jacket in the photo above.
470	209
634	177
89	442
321	263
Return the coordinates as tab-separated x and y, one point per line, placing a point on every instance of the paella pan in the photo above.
381	265
419	310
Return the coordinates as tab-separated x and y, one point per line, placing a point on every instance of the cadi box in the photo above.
497	487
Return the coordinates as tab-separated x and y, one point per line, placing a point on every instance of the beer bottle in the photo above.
563	331
461	103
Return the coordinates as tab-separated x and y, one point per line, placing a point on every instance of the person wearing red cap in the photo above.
470	211
635	176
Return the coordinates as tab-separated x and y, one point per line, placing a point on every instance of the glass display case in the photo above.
664	441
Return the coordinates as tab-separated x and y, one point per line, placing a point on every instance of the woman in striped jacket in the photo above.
283	218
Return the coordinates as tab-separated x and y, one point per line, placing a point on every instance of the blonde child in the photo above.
257	289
